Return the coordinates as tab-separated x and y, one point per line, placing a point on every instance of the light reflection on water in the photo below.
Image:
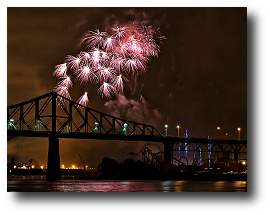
40	185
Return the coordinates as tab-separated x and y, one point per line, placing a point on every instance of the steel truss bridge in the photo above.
54	116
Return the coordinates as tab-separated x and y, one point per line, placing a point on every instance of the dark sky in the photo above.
199	79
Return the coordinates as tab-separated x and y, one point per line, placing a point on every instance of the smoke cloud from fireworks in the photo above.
130	109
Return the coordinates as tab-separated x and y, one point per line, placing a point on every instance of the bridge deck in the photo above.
104	136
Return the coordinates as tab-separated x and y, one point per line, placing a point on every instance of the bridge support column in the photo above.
53	163
167	164
236	158
167	153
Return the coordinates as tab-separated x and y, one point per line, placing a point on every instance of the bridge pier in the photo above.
168	152
53	163
236	158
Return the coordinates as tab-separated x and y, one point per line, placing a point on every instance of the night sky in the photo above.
198	81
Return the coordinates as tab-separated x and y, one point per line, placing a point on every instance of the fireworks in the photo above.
106	90
66	82
83	100
111	58
85	74
60	70
118	83
62	91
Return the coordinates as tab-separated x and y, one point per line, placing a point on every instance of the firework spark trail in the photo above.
118	83
105	74
112	56
62	91
66	82
73	62
85	74
83	100
106	90
60	70
94	38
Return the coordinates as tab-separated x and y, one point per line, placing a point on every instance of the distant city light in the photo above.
178	127
166	128
238	129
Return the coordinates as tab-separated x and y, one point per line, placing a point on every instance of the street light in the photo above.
218	128
10	123
125	128
178	127
166	128
96	127
239	130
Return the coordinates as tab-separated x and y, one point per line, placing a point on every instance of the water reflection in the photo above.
178	186
166	186
219	186
40	185
105	186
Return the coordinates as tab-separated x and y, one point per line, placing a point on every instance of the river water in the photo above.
39	184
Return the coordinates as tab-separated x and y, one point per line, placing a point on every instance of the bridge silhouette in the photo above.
54	116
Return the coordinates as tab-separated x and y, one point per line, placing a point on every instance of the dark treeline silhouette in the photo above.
138	170
129	169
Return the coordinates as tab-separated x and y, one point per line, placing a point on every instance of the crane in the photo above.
82	162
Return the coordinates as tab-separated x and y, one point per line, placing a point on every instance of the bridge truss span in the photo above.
53	114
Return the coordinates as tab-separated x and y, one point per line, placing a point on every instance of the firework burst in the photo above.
66	82
83	100
73	62
106	90
111	58
62	91
60	70
85	74
119	84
